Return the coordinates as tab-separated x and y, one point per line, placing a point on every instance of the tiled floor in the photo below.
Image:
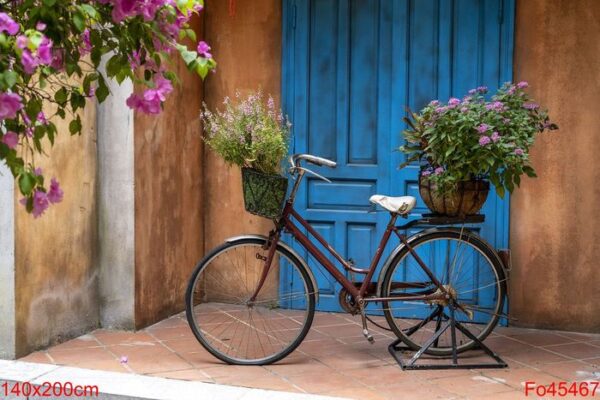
336	360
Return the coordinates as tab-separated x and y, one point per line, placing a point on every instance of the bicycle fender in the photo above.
288	248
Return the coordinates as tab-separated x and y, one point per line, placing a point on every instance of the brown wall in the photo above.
555	237
55	266
247	46
168	200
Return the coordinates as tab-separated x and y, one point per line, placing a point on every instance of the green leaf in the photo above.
191	34
102	91
49	3
26	183
79	20
89	10
10	78
33	108
113	66
61	96
75	126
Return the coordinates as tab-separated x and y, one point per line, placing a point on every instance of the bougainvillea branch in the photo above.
50	66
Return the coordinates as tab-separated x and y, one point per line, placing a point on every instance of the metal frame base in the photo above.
411	363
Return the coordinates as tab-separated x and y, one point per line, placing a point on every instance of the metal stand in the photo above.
451	323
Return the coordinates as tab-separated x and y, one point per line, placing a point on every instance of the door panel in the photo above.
350	70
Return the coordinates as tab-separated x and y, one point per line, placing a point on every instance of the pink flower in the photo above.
483	128
22	41
40	26
55	194
519	152
123	360
44	52
140	104
531	106
40	203
38	171
86	44
29	62
8	25
10	103
495	137
41	118
453	102
439	170
161	90
57	59
204	49
484	140
522	85
10	139
123	9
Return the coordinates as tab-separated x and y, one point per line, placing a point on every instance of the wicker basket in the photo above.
468	198
263	194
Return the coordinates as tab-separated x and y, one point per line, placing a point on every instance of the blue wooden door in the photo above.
350	70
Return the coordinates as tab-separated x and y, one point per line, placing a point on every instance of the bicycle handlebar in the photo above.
319	161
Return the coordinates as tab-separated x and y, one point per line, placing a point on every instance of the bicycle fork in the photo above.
271	244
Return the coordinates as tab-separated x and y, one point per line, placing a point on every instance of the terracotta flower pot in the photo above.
467	199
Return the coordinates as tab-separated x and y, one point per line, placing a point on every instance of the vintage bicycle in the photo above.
251	300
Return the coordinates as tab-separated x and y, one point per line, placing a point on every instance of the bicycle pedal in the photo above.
368	336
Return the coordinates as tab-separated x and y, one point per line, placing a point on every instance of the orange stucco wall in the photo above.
247	45
554	220
56	290
168	199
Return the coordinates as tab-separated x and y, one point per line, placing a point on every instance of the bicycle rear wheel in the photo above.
467	267
237	330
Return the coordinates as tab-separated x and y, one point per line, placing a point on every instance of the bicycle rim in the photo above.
464	266
237	330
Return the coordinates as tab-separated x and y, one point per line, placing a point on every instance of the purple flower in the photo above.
522	85
426	172
531	106
40	26
44	51
38	171
204	49
29	62
464	109
483	128
40	203
434	103
482	89
506	121
439	170
10	103
472	91
484	140
55	194
123	360
495	136
511	90
162	88
519	152
441	110
8	25
10	139
495	106
453	102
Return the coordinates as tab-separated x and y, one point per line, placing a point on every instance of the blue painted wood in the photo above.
349	70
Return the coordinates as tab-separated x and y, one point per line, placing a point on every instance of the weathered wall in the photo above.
555	237
168	200
55	266
247	45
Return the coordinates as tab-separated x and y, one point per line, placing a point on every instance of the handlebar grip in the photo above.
320	161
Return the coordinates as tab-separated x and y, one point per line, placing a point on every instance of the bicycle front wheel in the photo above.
467	268
236	329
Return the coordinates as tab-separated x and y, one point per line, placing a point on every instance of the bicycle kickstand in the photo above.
363	315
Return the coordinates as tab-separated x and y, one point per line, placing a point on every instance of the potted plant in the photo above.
464	144
254	135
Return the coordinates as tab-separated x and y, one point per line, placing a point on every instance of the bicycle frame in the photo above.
286	223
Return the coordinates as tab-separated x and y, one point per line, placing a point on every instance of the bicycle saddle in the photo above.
400	205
